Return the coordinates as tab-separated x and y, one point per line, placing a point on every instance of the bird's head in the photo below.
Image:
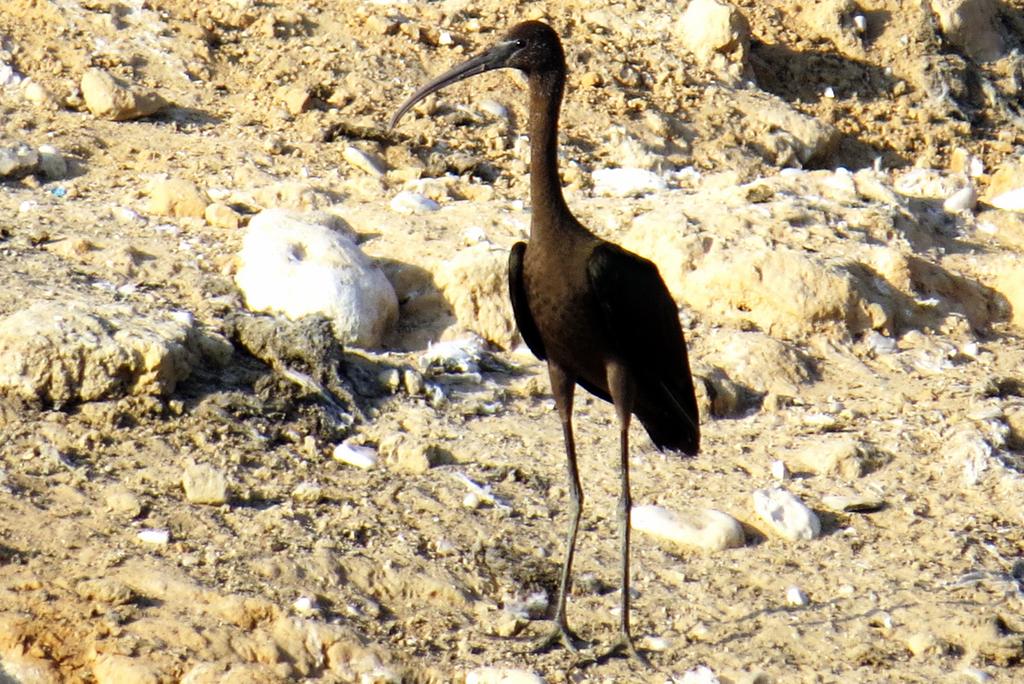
532	47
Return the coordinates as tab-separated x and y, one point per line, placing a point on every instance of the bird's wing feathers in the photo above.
641	323
520	308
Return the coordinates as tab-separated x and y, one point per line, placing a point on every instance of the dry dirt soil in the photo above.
315	570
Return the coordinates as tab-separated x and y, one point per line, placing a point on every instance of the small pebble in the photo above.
204	484
699	675
795	596
852	503
408	202
626	182
359	456
977	674
413	381
964	199
779	470
364	161
308	492
305	606
151	536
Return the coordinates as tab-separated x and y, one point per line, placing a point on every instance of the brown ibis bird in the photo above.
599	315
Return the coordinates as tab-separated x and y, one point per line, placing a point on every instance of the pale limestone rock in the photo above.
740	284
844	456
707	530
222	216
475	283
109	98
792	137
970	25
64	352
1006	189
176	197
293	265
786	514
204	484
758	361
117	669
718	35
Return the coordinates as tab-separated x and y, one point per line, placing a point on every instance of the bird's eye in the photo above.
520	43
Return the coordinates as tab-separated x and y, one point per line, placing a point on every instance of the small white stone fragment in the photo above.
699	675
879	343
626	182
795	596
356	455
709	530
157	537
494	108
830	93
453	356
502	675
305	606
964	199
779	470
976	674
1011	200
786	514
408	202
364	161
860	24
655	643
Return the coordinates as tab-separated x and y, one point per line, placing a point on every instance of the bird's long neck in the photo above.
549	208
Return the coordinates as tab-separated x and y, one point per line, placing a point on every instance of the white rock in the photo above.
502	675
786	514
355	455
626	182
1011	200
152	536
494	108
305	606
795	596
709	530
779	470
408	202
963	199
364	161
295	266
452	356
699	675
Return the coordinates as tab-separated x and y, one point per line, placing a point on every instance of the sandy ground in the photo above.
314	570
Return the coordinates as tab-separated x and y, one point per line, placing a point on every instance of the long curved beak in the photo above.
494	58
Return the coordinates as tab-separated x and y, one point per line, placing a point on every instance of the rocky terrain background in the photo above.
264	415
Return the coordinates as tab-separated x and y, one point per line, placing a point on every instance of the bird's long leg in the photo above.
562	386
622	390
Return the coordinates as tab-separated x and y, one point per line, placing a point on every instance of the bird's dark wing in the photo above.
642	325
520	308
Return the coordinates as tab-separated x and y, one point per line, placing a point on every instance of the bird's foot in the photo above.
624	647
562	635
